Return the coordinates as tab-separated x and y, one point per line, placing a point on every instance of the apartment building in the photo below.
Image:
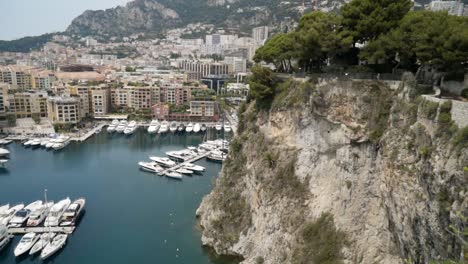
24	104
455	8
22	77
140	97
100	101
82	94
203	108
260	34
205	68
63	109
3	103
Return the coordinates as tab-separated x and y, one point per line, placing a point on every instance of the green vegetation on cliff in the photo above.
25	44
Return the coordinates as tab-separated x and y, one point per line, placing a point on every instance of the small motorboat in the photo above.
44	142
38	216
26	243
22	215
180	128
165	162
203	127
151	167
184	171
44	239
5	141
121	127
27	143
7	215
4	152
217	156
189	128
5	237
218	127
113	126
3	163
164	127
174	175
55	213
173	127
36	143
57	243
130	129
73	213
193	167
153	127
196	128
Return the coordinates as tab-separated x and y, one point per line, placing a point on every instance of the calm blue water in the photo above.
131	216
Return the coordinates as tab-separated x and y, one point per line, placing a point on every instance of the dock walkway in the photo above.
196	158
53	229
89	134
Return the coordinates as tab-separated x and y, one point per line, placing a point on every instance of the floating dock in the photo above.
53	229
196	158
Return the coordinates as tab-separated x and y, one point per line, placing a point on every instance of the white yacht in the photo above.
173	127
130	129
184	171
4	208
57	243
36	143
227	127
203	128
44	142
22	215
180	155
217	156
219	126
151	167
153	127
4	141
73	212
121	127
8	214
3	163
37	216
193	167
165	162
53	218
61	142
111	128
173	175
26	243
164	127
189	128
44	239
196	128
27	143
4	152
5	237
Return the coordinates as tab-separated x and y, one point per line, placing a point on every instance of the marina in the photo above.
155	215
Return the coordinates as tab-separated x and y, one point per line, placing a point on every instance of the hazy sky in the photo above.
21	18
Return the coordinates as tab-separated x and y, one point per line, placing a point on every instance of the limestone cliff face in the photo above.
367	152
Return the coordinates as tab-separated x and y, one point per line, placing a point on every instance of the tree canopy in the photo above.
367	19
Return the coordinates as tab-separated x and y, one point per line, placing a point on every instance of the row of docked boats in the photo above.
123	126
164	127
55	143
178	163
63	213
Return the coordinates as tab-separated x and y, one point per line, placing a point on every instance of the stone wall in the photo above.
459	109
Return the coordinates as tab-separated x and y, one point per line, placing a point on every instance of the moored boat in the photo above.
218	126
4	141
153	127
227	127
130	129
38	216
22	215
189	128
5	237
203	128
7	215
165	162
55	213
151	167
73	212
181	127
121	127
193	167
26	243
184	171
173	127
196	128
57	243
164	127
44	239
174	175
4	152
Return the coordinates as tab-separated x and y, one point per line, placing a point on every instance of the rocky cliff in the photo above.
341	171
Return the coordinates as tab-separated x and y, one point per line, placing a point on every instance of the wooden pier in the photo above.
196	158
53	229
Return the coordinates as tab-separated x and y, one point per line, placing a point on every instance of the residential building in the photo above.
205	67
3	103
160	111
215	82
100	101
63	109
24	104
236	89
140	97
18	77
82	94
203	110
455	8
237	64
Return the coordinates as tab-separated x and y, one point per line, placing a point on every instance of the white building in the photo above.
238	64
455	8
260	34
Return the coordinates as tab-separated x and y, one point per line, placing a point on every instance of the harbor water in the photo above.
131	216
